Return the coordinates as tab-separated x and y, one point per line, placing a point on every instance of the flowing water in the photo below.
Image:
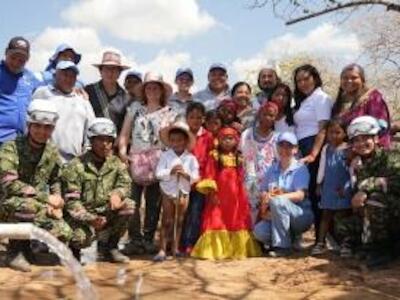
85	288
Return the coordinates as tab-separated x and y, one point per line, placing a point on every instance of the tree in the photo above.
294	11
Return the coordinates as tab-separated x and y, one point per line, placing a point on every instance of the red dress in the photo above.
226	226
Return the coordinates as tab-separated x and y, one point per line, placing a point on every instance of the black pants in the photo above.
152	197
306	146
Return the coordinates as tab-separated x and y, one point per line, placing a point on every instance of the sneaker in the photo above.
331	243
117	257
280	252
297	243
318	249
19	263
345	252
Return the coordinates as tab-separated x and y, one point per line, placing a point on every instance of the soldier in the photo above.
30	182
97	189
375	225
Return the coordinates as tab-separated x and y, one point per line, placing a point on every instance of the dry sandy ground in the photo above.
300	277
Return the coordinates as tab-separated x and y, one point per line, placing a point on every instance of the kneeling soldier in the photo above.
97	188
30	182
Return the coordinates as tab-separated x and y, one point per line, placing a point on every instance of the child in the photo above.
375	226
228	110
213	122
177	170
226	224
204	143
258	146
282	96
333	181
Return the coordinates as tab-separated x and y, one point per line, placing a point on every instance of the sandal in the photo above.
318	249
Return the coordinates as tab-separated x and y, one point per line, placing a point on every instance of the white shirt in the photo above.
315	108
280	126
75	115
171	184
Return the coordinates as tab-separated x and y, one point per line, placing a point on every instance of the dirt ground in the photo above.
298	277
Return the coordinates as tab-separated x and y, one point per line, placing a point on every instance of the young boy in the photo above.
375	226
195	115
97	188
30	182
177	170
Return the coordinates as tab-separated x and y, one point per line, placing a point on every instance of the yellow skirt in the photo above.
222	244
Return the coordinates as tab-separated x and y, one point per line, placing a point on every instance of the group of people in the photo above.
233	175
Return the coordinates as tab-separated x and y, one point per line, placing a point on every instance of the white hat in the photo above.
42	112
102	126
365	125
156	77
181	125
111	58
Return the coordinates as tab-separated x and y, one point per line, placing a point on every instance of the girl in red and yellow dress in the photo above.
226	224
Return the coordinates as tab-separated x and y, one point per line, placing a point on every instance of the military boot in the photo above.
16	256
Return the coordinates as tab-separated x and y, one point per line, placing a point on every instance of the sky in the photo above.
163	35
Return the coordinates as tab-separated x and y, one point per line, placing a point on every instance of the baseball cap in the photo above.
66	64
181	71
287	137
364	125
217	66
20	45
134	73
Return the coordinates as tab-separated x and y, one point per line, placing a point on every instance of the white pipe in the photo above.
20	231
27	231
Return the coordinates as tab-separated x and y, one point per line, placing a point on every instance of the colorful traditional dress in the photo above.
226	226
258	155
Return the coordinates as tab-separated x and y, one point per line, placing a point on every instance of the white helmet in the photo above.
102	126
365	125
43	112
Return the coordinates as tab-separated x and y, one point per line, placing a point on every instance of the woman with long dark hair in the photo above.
312	112
356	99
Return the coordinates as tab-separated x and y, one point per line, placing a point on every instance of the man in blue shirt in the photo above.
16	87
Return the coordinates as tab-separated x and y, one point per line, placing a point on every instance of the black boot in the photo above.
16	252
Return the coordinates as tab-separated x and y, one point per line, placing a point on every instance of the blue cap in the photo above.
136	74
62	48
181	71
287	137
66	64
218	66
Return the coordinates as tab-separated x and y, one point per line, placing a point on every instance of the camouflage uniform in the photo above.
376	226
22	167
87	192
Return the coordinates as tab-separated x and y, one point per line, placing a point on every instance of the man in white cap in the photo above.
75	112
30	169
97	189
16	87
374	229
217	89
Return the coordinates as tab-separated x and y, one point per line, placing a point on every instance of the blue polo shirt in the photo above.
15	95
295	177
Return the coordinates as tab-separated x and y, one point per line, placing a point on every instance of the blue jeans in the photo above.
287	219
192	224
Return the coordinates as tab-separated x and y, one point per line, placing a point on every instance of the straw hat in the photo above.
181	125
113	59
156	77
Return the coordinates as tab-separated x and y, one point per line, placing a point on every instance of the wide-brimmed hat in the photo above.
113	59
156	77
181	125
